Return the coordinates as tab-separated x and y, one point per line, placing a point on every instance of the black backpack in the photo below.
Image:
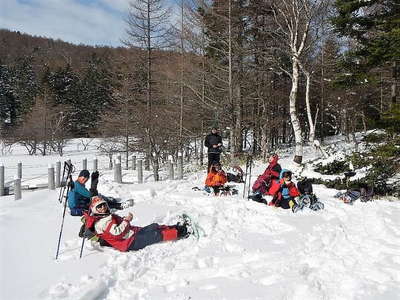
305	187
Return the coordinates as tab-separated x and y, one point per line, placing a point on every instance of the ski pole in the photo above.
83	242
251	164
62	188
245	177
62	222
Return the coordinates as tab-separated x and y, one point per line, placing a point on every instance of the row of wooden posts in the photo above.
54	174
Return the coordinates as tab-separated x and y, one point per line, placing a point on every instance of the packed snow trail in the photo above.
250	251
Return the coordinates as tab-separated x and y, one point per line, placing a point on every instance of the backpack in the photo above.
238	177
305	187
262	184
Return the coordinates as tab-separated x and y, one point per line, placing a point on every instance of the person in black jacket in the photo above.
213	142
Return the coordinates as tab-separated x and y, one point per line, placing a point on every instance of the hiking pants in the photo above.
213	158
148	235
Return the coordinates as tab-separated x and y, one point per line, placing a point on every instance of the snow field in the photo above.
249	250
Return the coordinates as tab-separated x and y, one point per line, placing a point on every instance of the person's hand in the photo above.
95	175
219	145
215	146
129	217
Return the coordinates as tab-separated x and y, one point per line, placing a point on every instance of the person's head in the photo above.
99	207
287	176
83	176
214	130
216	167
273	158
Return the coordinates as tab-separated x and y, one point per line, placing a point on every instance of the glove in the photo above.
95	176
94	182
71	184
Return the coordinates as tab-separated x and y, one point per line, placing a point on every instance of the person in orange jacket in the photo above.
284	192
216	178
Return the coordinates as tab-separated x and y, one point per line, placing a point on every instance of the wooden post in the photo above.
95	164
2	192
147	163
17	189
171	170
110	161
180	165
50	176
58	174
117	171
140	171
84	164
19	174
133	162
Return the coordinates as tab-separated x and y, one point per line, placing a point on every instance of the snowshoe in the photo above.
317	206
191	227
127	203
295	207
350	196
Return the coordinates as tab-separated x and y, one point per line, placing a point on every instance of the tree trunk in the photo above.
309	116
293	112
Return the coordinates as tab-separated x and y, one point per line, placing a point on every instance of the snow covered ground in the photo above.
249	251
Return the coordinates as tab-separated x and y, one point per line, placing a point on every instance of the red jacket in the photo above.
115	230
273	170
277	189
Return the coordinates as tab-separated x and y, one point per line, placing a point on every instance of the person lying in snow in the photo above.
79	197
285	192
263	183
117	232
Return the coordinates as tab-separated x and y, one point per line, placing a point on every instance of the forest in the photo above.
267	73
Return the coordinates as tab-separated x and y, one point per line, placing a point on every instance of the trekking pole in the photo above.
83	242
245	177
63	217
62	180
250	166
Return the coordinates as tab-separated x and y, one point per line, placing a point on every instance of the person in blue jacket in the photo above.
79	196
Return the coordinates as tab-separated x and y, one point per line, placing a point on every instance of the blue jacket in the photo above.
78	199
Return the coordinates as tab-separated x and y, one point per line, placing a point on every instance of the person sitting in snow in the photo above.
285	193
263	183
117	232
216	179
79	197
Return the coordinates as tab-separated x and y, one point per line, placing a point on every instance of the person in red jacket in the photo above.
118	232
216	178
284	192
264	181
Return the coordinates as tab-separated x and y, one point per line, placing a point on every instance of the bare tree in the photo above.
148	28
294	18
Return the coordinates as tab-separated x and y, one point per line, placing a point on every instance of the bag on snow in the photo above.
305	187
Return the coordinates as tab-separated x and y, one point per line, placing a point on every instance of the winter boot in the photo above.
295	206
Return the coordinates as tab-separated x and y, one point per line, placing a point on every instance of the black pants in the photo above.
213	158
151	234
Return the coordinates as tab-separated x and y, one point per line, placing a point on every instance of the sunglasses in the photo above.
102	205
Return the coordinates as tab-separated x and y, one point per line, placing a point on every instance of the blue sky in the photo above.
91	22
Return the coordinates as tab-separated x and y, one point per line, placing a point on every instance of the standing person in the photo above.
213	142
118	232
